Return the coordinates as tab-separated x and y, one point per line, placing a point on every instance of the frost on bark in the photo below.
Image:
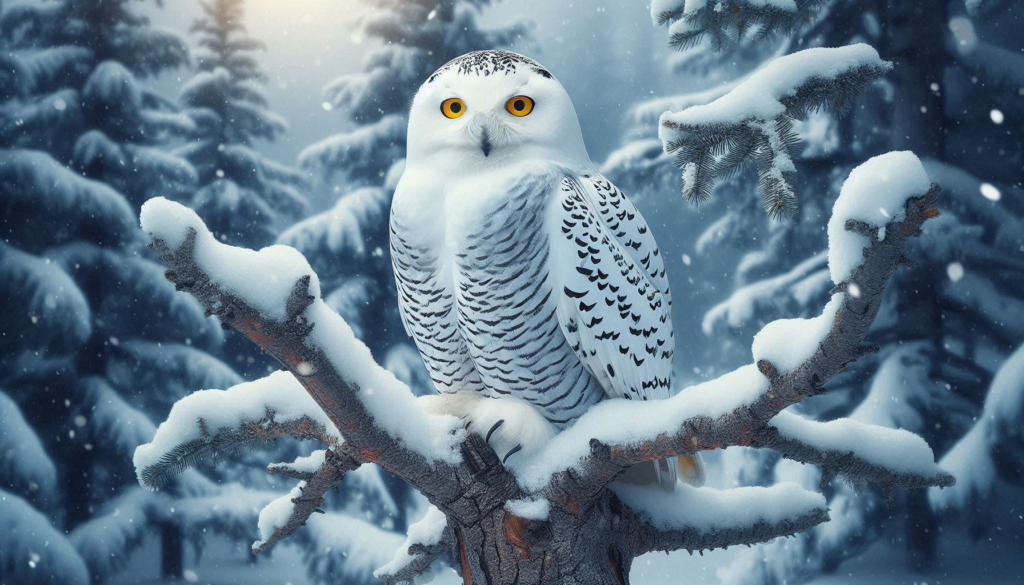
588	531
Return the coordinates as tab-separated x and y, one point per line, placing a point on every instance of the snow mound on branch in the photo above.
875	193
707	509
627	422
895	449
427	531
530	509
264	279
279	392
787	343
275	515
760	96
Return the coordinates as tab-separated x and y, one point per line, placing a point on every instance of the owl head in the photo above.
488	108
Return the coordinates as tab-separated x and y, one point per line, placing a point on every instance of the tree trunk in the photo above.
596	547
172	551
915	34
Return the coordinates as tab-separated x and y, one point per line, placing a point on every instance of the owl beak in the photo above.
485	143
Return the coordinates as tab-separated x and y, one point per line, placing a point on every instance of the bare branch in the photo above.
305	500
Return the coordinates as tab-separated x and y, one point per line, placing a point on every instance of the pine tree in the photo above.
96	341
242	194
938	359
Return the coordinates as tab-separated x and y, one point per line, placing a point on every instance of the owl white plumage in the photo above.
530	284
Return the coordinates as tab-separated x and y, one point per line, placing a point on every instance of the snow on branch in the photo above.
273	297
216	423
753	123
889	458
282	517
794	359
426	541
705	518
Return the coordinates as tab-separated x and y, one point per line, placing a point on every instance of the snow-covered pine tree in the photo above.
95	341
242	195
359	168
943	331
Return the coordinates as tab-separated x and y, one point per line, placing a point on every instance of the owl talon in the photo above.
494	428
514	450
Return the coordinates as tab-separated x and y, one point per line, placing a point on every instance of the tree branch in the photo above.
280	310
304	500
735	410
705	519
428	540
222	429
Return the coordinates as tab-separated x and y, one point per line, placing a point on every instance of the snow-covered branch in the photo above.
428	540
282	517
504	522
215	423
753	123
272	297
705	519
883	204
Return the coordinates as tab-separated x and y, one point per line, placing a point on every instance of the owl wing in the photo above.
614	317
624	220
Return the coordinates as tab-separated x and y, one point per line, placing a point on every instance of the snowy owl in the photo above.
530	284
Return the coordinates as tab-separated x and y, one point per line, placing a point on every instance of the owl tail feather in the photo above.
664	473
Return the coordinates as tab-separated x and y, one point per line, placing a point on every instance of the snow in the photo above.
788	343
107	540
122	426
531	509
368	145
48	297
802	282
660	7
265	279
112	85
875	193
707	510
279	392
275	515
428	531
29	178
33	551
894	449
348	550
971	460
309	463
630	422
342	229
990	192
759	96
25	465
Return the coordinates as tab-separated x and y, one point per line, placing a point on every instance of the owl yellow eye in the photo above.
453	108
519	106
